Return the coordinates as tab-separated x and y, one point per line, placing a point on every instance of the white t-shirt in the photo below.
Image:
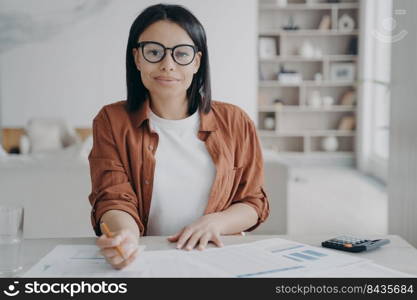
184	174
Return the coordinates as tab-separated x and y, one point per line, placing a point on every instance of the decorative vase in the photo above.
315	99
329	144
346	23
281	3
328	101
307	50
311	2
318	77
269	123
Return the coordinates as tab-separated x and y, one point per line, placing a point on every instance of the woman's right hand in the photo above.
127	242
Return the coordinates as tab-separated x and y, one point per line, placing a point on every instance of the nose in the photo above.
168	63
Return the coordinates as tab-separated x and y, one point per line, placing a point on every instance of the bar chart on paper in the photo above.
308	260
305	255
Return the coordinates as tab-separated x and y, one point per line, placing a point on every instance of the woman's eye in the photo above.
181	54
153	52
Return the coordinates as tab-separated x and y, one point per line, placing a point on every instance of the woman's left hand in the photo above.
207	228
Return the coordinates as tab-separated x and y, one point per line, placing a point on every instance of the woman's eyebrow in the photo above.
179	43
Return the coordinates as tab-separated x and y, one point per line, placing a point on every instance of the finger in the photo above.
115	260
174	238
113	234
128	261
193	240
128	248
105	242
203	241
124	236
108	252
184	237
216	240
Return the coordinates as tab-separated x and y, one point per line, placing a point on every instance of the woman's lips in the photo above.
166	80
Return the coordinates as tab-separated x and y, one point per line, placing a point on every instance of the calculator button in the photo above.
348	245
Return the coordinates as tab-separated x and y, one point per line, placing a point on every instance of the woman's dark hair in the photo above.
199	92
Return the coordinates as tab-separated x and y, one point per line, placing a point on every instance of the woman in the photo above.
196	160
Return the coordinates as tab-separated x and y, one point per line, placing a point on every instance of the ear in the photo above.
197	61
136	54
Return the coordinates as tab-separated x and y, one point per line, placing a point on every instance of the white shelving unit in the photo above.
316	5
299	127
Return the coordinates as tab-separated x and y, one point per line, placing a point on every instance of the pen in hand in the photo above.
109	234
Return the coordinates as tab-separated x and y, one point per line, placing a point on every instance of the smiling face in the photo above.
166	78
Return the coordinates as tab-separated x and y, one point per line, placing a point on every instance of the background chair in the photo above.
46	134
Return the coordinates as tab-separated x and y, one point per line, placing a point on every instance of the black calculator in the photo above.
353	244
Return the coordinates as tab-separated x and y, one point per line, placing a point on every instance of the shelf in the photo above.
336	153
296	58
317	6
299	129
307	32
319	154
303	159
296	108
306	83
267	133
332	132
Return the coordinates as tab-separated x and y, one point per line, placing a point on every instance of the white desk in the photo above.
398	255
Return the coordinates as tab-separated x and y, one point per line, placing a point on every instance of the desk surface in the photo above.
398	255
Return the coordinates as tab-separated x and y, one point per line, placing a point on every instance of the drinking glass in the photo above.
11	237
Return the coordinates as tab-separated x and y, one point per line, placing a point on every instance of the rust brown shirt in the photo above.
122	162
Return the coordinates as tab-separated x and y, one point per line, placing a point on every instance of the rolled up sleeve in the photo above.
111	189
250	190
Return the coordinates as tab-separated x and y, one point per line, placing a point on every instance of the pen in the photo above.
109	234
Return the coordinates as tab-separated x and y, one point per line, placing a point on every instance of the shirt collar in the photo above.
207	121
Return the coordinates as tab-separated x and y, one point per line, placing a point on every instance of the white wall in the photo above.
402	186
74	73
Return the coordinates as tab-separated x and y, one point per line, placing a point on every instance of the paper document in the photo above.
267	258
80	261
274	258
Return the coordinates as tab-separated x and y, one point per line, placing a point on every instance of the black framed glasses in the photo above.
154	52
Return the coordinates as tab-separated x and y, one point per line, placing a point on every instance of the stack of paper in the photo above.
267	258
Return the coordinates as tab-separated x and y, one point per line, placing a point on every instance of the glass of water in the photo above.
11	237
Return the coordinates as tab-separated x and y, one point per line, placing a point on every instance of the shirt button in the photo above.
150	147
146	182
